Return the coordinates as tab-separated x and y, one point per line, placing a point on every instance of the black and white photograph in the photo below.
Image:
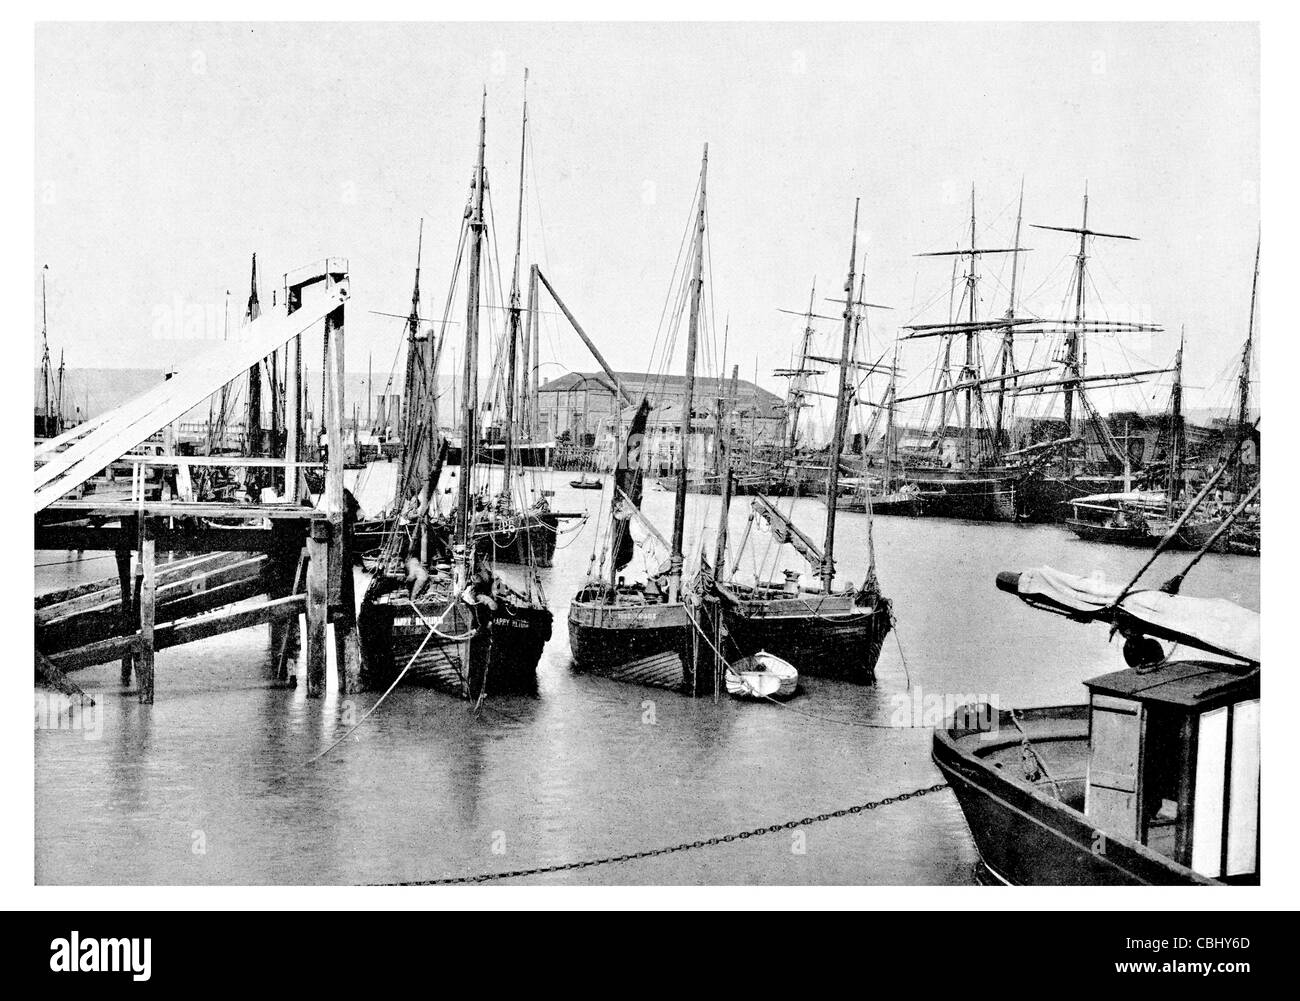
561	454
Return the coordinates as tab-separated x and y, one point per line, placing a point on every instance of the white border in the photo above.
1279	354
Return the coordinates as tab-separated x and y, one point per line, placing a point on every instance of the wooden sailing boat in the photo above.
459	626
648	633
822	631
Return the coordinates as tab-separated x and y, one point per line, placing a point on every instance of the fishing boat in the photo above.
648	632
1122	518
583	483
457	624
824	630
1153	781
761	676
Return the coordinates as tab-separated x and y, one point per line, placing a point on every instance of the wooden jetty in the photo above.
236	564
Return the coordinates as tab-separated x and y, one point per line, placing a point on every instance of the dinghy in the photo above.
762	676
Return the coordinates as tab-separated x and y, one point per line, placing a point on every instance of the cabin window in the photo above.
1225	814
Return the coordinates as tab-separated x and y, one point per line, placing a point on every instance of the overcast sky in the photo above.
167	154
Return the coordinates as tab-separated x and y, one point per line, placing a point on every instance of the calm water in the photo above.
209	784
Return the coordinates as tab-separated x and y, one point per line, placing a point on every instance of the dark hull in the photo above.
500	657
1043	498
907	507
526	539
1025	835
971	498
654	645
825	644
1131	535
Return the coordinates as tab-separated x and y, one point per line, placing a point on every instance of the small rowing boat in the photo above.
762	675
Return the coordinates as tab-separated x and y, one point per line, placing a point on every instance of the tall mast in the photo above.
1075	356
45	354
1243	385
800	381
968	368
409	397
1176	429
837	435
59	397
1076	353
469	412
688	394
1008	335
253	427
512	346
532	361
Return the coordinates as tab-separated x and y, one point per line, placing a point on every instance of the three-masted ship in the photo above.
445	616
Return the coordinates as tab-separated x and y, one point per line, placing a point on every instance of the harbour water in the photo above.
212	785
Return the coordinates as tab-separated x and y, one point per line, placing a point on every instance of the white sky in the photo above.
167	154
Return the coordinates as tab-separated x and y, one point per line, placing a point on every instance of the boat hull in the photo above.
1121	535
823	638
651	644
1024	833
966	497
478	652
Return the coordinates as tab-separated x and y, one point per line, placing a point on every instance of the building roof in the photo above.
653	386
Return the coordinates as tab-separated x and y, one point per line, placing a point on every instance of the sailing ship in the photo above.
648	633
1153	781
505	529
456	625
1055	472
974	482
823	631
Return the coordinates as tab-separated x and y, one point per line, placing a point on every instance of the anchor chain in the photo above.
755	832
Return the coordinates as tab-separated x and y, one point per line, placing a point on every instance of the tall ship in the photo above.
446	616
970	480
823	630
649	632
1060	468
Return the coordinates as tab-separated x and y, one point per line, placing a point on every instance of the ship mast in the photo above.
1176	429
799	384
837	435
688	394
253	425
469	413
45	356
1243	385
1008	335
409	397
969	382
1076	352
512	346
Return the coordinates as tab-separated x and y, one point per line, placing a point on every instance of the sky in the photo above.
167	154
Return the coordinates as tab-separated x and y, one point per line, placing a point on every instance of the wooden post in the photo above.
144	666
129	619
317	605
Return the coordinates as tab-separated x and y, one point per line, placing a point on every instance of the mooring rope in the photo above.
754	832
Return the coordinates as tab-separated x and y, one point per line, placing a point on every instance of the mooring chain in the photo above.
756	832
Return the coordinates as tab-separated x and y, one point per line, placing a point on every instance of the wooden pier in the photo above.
236	564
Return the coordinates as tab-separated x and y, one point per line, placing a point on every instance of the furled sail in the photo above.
627	487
